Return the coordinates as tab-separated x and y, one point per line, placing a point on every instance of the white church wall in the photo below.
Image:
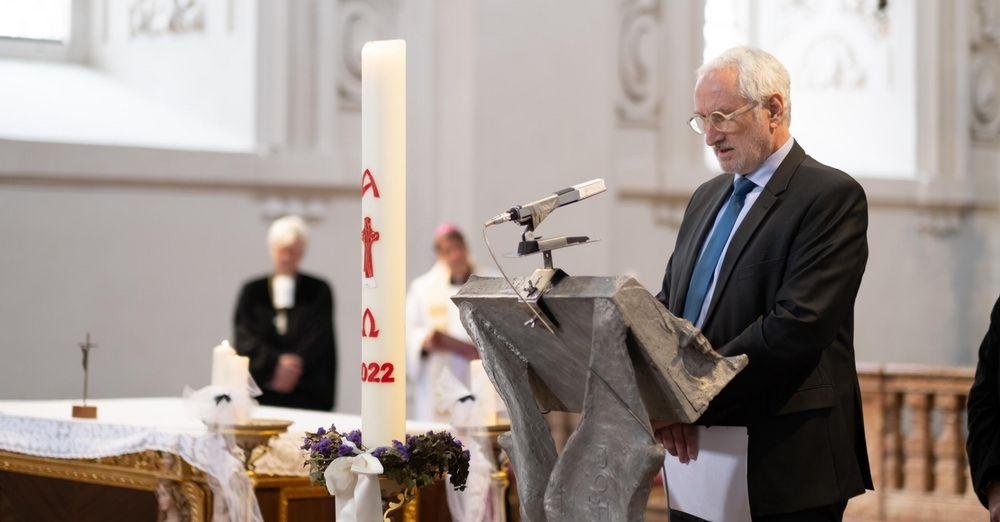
542	116
308	161
198	59
153	275
146	248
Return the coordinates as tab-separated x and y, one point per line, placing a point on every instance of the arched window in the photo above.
853	70
42	29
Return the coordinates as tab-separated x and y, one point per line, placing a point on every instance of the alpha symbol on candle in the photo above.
368	328
368	182
369	236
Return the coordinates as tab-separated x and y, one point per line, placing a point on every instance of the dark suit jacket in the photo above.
983	445
785	297
309	334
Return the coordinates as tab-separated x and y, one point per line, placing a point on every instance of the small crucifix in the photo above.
83	411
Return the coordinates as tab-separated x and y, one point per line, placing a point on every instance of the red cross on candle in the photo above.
369	236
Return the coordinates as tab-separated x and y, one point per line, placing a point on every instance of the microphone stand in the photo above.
543	279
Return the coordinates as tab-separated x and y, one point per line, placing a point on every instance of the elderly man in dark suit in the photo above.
984	420
768	261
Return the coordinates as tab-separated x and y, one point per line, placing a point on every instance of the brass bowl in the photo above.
252	437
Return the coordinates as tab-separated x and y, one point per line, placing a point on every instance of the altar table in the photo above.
151	459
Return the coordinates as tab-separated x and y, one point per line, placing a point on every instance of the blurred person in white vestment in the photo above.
438	351
436	341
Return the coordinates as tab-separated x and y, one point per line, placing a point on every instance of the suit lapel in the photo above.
691	254
761	208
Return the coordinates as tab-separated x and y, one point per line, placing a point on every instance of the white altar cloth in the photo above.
46	429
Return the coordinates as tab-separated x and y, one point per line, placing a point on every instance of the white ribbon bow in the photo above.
354	481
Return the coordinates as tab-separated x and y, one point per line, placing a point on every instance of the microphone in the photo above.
532	214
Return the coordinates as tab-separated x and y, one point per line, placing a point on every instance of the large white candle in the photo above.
220	355
383	242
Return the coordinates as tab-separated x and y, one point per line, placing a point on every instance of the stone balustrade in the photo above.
915	425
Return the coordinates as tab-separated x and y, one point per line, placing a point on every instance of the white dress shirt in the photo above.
759	177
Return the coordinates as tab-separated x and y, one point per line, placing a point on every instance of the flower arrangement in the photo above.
413	464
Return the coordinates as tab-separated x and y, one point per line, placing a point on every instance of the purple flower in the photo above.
355	437
321	431
344	450
401	449
378	452
323	447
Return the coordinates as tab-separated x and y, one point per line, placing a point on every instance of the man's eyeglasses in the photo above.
719	120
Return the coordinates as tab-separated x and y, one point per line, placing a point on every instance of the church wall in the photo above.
542	100
506	105
202	66
153	275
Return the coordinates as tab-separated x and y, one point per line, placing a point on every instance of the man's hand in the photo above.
286	373
680	440
432	342
438	341
993	501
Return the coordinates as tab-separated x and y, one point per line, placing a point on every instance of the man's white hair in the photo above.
285	230
758	73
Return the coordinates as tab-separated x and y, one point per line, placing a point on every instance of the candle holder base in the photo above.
252	437
396	497
82	411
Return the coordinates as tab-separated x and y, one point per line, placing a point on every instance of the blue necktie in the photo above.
704	270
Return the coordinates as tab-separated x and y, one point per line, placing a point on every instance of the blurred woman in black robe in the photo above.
284	323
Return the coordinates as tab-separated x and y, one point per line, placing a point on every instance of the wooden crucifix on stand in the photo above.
83	411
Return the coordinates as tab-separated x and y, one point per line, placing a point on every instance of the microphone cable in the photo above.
538	316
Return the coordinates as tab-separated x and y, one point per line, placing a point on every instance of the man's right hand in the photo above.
993	501
438	341
680	440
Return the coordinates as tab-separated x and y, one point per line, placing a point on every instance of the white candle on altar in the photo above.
220	356
238	373
383	242
487	400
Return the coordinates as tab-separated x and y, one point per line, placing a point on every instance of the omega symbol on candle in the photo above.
368	321
368	182
369	236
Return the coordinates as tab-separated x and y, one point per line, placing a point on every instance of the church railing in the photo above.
915	426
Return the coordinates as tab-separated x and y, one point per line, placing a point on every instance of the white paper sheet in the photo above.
714	487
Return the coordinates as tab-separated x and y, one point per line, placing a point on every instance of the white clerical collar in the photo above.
282	291
766	170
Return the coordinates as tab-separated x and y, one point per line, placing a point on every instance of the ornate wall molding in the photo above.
937	219
984	67
830	39
159	17
830	62
359	21
311	209
639	70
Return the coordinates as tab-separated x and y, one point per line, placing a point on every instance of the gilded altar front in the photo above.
156	485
